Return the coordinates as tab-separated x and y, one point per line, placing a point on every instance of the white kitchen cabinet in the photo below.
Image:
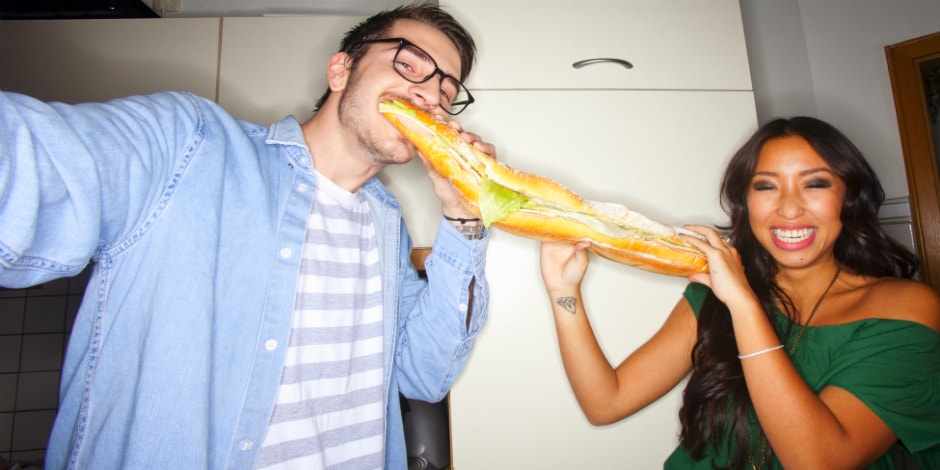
661	153
656	141
270	67
259	69
95	60
679	44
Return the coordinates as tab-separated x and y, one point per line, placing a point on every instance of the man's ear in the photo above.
337	71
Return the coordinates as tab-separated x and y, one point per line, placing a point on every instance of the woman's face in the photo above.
795	200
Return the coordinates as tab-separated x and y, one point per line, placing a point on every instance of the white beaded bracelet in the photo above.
762	351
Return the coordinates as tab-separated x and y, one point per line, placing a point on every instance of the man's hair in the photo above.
378	26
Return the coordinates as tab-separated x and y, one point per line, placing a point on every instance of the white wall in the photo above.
776	49
826	59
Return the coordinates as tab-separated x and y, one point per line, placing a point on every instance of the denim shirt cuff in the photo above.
469	258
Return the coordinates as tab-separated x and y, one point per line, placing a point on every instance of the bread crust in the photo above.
553	212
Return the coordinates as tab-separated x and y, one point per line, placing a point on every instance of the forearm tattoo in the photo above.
569	303
471	232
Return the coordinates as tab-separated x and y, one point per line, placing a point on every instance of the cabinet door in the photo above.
661	153
97	60
679	44
271	67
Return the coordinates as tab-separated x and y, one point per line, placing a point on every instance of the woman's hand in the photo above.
726	272
563	265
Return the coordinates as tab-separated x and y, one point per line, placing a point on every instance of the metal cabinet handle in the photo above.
582	63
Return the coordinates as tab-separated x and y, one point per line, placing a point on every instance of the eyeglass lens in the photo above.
418	67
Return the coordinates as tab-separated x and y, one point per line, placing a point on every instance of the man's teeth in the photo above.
793	236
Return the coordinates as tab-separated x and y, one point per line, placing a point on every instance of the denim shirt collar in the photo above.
288	133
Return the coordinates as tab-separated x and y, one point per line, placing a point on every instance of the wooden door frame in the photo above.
917	144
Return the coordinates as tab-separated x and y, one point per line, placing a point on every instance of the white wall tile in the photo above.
37	391
31	429
45	314
6	431
7	392
42	352
9	353
11	315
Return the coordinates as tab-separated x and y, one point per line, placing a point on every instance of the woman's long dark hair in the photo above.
716	400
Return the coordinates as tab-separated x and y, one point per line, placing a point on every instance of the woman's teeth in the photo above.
793	236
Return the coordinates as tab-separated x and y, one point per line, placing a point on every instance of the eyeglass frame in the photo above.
402	43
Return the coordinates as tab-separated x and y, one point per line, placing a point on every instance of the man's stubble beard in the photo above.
352	113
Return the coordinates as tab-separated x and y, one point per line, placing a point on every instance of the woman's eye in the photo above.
819	184
762	186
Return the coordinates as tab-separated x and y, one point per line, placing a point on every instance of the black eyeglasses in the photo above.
417	66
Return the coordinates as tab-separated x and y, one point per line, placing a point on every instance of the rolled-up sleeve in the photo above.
438	333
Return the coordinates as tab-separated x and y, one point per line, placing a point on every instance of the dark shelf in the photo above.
73	9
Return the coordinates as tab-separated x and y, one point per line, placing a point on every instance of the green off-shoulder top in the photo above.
893	366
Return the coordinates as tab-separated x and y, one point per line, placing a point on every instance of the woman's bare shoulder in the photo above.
904	299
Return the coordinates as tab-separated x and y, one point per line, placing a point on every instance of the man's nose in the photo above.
427	94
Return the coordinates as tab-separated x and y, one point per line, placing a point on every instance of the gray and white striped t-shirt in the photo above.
330	410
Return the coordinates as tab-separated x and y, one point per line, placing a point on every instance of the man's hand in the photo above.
450	201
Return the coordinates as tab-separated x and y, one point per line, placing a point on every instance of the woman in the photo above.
808	346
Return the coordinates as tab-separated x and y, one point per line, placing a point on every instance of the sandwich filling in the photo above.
496	201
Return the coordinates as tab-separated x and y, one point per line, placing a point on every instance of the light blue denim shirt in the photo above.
195	222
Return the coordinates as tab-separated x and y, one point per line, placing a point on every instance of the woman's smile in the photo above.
793	238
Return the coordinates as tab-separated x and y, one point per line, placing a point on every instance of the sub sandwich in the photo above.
540	208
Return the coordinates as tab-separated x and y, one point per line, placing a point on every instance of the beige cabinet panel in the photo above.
96	60
654	137
659	152
678	44
275	66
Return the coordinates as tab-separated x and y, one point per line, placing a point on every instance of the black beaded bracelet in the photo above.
462	221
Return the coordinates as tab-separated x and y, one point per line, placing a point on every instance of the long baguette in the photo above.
541	208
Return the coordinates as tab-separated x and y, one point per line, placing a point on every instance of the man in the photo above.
252	303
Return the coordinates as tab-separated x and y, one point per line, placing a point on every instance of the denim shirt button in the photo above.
270	344
463	307
302	187
285	253
246	444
